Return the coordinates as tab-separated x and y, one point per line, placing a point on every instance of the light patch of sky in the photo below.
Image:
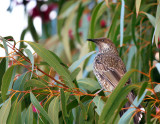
13	23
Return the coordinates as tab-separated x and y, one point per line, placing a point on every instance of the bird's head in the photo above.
105	45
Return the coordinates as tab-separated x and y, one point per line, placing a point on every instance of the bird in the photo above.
109	68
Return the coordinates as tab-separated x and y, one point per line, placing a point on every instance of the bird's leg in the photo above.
99	91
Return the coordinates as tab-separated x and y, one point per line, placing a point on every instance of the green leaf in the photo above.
114	100
20	82
99	104
122	22
19	118
138	3
133	28
39	107
78	62
32	29
78	17
128	114
75	73
148	117
52	61
34	83
88	84
94	18
31	58
53	110
151	18
6	81
113	27
13	113
63	105
143	88
2	69
29	115
4	111
69	7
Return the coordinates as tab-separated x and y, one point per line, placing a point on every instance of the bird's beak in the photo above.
93	40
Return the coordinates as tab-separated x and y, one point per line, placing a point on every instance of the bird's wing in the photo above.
113	71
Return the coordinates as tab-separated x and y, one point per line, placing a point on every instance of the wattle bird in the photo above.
109	68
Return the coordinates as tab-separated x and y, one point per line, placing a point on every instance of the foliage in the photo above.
56	83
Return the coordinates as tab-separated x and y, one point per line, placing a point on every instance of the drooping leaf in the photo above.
115	19
78	62
31	58
39	107
20	82
29	115
2	69
53	110
4	111
6	81
79	15
32	29
63	105
34	83
151	18
143	88
138	3
157	27
13	113
93	24
149	108
75	73
52	61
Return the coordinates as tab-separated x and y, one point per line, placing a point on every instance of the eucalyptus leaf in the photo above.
35	102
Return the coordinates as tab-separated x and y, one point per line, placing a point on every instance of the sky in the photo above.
13	23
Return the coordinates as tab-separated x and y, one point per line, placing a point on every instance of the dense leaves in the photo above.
55	83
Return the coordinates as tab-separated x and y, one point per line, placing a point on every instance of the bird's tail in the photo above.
136	117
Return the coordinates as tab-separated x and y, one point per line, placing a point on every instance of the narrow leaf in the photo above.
6	81
128	114
109	106
143	88
31	58
34	83
94	18
39	107
29	115
75	73
53	110
148	118
2	69
4	111
52	61
122	22
78	62
13	113
151	18
63	105
138	3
